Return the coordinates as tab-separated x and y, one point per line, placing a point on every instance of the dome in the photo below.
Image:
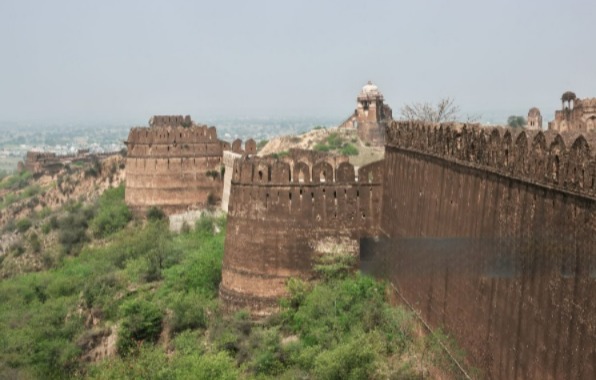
533	112
369	91
370	88
567	96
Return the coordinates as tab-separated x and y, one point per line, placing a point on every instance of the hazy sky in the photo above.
122	61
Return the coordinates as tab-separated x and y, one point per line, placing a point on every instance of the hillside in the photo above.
28	204
336	140
117	297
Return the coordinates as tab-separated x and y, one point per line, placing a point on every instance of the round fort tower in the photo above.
283	214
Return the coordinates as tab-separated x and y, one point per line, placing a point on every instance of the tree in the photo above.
516	121
445	110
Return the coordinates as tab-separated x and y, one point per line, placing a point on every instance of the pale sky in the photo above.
123	61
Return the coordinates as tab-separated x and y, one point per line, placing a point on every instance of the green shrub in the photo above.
73	227
34	242
16	181
113	213
155	213
23	225
349	150
141	321
321	147
335	141
188	311
353	359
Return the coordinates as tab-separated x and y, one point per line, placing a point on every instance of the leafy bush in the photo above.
141	321
349	150
23	225
73	227
155	213
321	147
354	359
16	181
113	213
188	311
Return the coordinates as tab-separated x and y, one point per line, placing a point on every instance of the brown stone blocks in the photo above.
277	219
173	167
490	234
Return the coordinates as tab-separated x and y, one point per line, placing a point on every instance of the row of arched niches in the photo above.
255	170
562	160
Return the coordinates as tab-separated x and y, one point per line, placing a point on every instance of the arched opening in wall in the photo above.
335	199
323	176
370	177
300	176
312	197
260	175
555	169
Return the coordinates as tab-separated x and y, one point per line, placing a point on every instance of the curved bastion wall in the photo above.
173	167
283	213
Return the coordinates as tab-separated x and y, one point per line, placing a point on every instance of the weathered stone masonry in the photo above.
282	214
491	234
173	167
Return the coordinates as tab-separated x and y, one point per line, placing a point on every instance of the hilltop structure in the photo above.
40	163
176	165
575	114
371	116
534	119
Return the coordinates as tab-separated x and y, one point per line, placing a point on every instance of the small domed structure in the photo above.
370	90
575	115
568	96
534	119
371	115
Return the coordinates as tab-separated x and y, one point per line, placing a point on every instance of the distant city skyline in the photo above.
121	62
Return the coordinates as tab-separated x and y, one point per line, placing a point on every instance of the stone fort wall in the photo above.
491	234
282	214
173	167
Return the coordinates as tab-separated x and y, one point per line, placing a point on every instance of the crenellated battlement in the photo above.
285	212
270	171
172	135
170	120
561	160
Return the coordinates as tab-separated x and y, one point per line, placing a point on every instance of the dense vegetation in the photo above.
155	294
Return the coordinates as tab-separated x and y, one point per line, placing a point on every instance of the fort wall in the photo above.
491	234
282	215
173	167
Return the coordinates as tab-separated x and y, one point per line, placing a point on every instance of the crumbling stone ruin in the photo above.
283	213
40	163
575	114
371	115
